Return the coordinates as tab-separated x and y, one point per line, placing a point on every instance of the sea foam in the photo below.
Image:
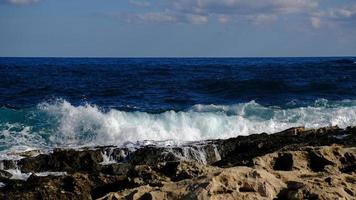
88	125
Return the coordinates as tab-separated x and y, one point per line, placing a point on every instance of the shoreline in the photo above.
295	163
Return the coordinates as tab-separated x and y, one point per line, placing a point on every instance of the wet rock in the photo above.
48	188
203	153
151	155
292	131
35	164
240	151
103	185
121	154
5	175
292	164
31	153
63	160
8	164
117	168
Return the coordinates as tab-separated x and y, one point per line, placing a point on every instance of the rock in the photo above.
116	168
240	151
121	154
151	155
73	187
8	164
284	162
63	160
292	164
35	164
292	131
5	175
294	185
180	170
233	183
31	153
144	174
348	161
317	162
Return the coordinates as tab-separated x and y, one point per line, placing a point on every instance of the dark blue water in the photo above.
156	85
46	102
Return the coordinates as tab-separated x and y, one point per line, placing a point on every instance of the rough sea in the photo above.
73	102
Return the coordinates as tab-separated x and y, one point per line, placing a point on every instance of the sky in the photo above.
177	28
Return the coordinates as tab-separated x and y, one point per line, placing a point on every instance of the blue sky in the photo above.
175	28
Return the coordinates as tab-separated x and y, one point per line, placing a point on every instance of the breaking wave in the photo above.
61	124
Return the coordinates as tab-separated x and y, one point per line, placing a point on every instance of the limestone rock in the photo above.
292	164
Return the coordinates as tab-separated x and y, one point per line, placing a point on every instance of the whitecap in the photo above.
89	125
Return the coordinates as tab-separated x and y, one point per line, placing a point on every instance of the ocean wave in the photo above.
61	124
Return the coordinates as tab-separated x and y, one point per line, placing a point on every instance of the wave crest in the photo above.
63	124
89	123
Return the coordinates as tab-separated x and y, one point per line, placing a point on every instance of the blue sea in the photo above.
72	102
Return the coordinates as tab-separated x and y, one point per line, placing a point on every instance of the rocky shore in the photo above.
293	164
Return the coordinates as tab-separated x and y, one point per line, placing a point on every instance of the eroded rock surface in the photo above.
293	164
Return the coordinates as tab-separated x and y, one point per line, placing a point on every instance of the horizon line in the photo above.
175	57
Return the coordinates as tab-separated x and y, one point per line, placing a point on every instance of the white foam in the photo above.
341	137
2	184
20	138
107	157
217	154
15	172
196	153
65	125
18	175
89	125
51	174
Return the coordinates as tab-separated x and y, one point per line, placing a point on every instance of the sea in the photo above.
48	103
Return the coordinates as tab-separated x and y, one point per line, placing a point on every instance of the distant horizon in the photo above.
175	57
180	28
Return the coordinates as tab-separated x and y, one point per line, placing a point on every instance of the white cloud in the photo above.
334	17
243	7
223	19
20	2
262	19
140	3
315	21
161	17
197	19
151	17
224	11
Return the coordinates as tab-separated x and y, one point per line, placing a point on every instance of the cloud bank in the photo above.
314	13
19	2
201	11
332	17
231	11
140	3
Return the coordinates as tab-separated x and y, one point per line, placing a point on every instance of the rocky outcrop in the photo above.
232	183
293	164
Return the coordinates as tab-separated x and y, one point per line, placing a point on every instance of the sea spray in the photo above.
107	155
61	124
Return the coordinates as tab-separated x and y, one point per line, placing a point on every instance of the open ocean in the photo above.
72	102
